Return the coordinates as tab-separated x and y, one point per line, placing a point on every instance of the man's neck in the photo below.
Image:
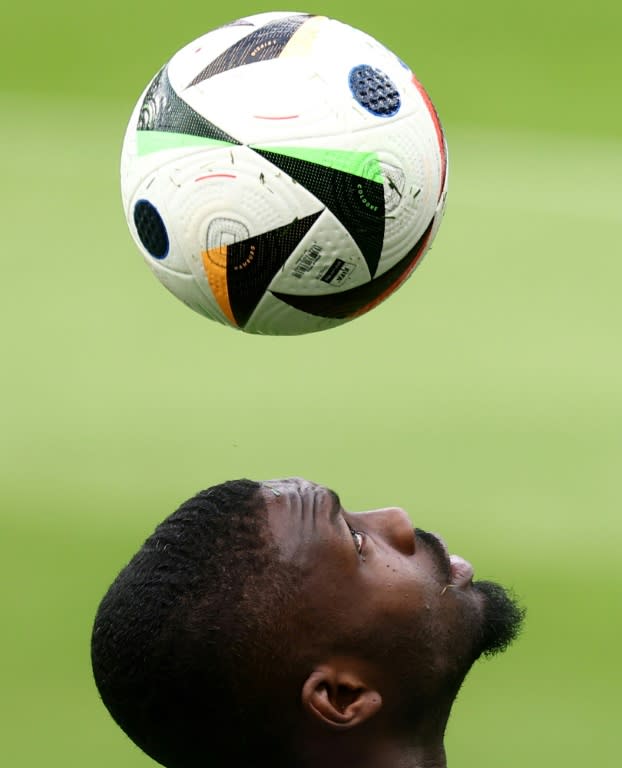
384	742
378	754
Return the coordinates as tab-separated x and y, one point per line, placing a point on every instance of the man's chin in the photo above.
502	618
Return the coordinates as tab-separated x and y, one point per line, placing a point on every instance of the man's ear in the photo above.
339	696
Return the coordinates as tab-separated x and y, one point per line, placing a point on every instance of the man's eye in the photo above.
357	536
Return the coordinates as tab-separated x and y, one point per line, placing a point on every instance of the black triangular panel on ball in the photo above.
349	303
357	202
163	110
252	263
263	44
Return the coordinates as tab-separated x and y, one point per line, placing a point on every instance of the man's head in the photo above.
263	619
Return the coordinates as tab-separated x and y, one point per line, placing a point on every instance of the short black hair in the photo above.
188	634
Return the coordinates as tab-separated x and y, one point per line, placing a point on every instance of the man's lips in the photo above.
461	570
453	569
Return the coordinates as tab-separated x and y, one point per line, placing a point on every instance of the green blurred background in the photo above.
485	396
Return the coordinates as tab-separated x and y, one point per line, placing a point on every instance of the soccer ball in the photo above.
284	174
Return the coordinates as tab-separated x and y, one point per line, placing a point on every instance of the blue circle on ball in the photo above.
374	90
151	229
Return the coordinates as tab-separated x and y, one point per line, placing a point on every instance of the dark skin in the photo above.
370	576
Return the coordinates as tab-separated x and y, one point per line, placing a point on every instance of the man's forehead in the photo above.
298	494
292	505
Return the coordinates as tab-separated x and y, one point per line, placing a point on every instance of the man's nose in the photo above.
391	524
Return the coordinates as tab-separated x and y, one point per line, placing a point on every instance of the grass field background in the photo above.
485	396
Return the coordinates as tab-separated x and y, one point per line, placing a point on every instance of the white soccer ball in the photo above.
284	174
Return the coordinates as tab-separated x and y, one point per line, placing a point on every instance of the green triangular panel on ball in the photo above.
157	141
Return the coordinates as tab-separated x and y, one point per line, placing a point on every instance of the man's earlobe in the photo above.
339	697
